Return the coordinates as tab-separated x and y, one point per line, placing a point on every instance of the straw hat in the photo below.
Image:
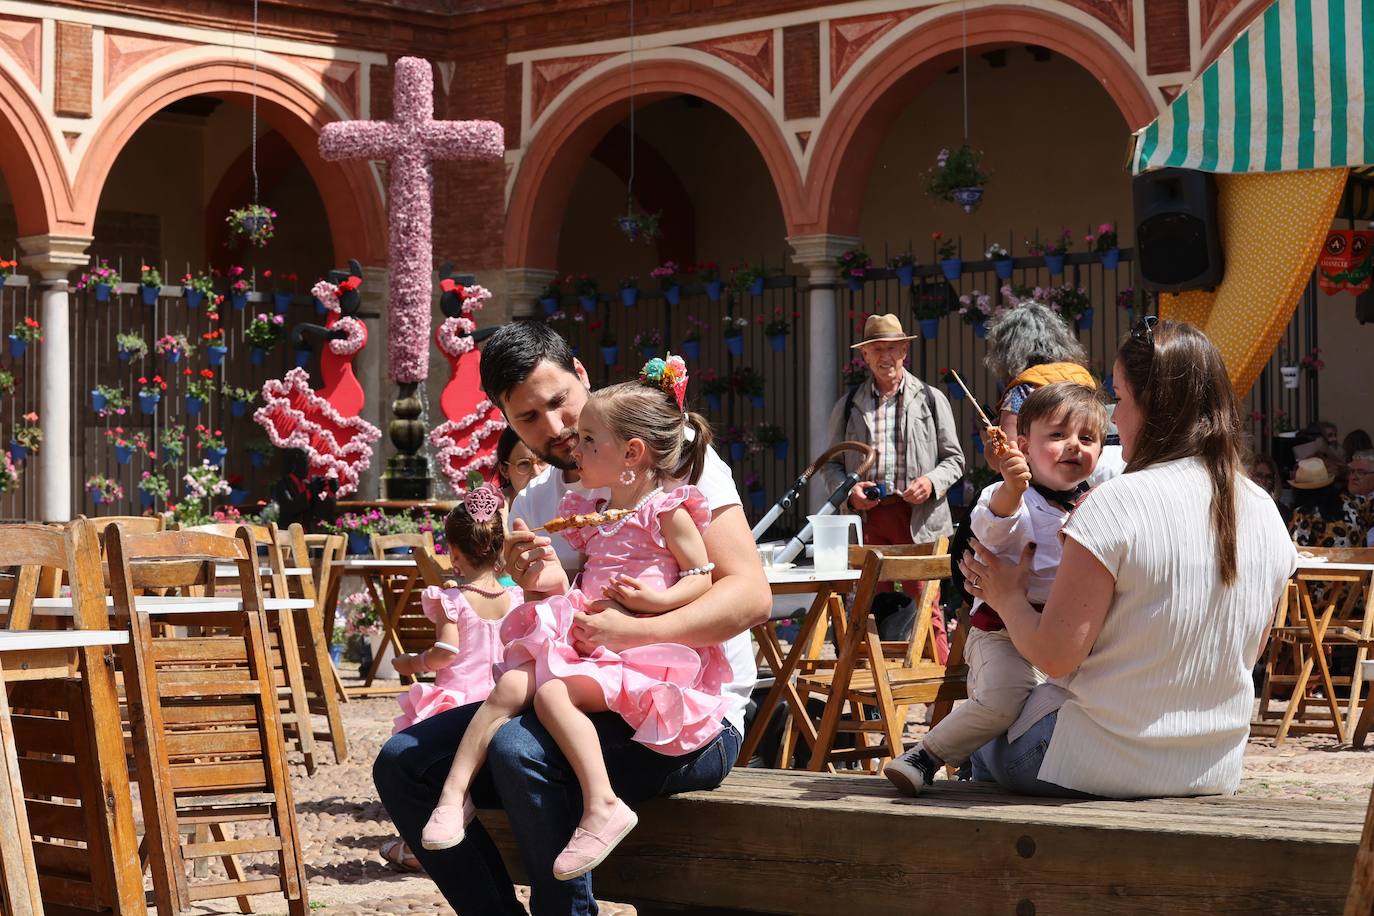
1312	474
881	328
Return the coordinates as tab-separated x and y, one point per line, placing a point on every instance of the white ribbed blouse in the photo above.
1162	703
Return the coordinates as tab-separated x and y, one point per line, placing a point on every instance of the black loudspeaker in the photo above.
1177	243
1364	307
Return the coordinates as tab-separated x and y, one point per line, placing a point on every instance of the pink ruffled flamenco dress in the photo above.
471	676
669	694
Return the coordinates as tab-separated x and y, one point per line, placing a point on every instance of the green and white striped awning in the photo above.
1294	91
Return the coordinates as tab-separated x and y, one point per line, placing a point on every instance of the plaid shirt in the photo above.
889	423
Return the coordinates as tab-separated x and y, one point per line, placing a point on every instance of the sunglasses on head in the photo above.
1145	329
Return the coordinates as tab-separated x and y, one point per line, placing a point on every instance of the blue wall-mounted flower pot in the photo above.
980	330
149	293
124	454
673	294
588	303
757	401
257	356
714	401
194	298
238	496
713	289
735	345
756	286
302	357
18	452
629	295
855	284
778	342
608	355
691	350
173	356
359	543
217	354
280	302
738	450
1003	266
955	392
550	304
193	406
148	402
780	450
1054	263
1111	258
256	459
648	351
238	408
930	328
17	347
1085	320
216	455
906	274
952	268
758	499
98	401
145	499
238	300
102	292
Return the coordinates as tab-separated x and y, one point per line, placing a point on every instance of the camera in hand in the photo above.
877	491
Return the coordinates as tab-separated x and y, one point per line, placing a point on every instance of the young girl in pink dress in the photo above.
467	621
652	560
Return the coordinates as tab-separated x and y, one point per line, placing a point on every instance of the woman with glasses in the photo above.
1170	576
1264	471
515	464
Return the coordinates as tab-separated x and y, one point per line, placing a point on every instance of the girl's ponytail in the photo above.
696	443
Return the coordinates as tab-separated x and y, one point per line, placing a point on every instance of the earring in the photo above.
628	476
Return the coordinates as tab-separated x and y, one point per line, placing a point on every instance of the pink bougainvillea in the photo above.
411	140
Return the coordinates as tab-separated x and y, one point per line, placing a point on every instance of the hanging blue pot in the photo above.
978	443
194	298
980	330
855	284
756	286
608	355
1109	386
758	499
18	452
257	356
302	357
238	496
691	350
239	300
1085	320
955	392
1110	258
906	274
280	302
952	268
319	306
780	450
714	401
648	351
238	408
930	328
550	304
714	289
170	456
629	295
17	347
757	401
193	406
148	402
217	354
173	356
98	401
359	543
97	497
102	292
149	293
145	499
778	342
256	459
735	345
1054	263
588	303
124	355
216	455
673	294
1003	267
124	454
738	450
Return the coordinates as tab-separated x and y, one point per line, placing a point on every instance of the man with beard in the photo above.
531	374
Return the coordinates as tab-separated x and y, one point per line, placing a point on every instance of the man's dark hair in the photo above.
514	350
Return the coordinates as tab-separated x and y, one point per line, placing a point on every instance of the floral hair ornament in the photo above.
668	375
483	502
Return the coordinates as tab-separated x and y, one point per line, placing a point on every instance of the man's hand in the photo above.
526	555
918	491
609	625
858	500
1016	470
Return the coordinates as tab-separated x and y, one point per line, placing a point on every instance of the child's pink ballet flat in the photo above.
447	825
586	850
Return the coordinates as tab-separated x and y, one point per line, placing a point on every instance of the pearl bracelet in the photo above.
697	570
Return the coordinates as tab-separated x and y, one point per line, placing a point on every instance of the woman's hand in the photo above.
995	580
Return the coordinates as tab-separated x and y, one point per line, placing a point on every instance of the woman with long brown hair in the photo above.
1162	604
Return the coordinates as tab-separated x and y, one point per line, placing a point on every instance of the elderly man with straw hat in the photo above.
912	428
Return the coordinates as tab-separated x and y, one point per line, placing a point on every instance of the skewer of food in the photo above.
993	437
554	525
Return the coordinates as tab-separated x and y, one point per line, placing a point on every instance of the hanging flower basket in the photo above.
252	224
691	349
968	198
217	354
957	178
637	226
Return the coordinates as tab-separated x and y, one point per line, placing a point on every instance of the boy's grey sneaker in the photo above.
912	771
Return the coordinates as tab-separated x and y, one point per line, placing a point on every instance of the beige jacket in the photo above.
933	450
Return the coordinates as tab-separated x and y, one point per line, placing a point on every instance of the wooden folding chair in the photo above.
66	729
323	551
1360	902
887	677
410	542
134	524
319	674
208	742
410	630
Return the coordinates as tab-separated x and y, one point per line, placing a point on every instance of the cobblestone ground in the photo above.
344	825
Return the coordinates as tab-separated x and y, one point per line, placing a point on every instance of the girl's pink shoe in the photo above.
447	825
586	850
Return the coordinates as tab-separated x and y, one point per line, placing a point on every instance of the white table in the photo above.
170	604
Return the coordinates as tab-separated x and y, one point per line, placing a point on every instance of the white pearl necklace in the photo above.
634	510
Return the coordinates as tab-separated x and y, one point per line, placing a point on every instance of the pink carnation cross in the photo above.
411	140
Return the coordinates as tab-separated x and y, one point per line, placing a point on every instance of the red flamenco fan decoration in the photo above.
467	441
325	424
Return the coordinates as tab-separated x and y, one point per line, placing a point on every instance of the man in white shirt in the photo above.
531	374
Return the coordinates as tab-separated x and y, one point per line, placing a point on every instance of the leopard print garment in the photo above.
1357	518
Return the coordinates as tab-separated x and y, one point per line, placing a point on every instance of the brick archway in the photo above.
572	131
32	166
860	119
357	220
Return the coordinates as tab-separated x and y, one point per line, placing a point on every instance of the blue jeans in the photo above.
1015	765
528	776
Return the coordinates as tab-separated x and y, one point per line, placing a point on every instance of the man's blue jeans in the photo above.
1015	765
528	776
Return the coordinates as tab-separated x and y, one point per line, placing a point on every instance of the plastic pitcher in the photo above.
830	534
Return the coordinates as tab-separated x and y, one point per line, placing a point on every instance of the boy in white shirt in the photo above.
1060	430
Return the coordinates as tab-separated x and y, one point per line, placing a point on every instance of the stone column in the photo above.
523	286
817	253
54	257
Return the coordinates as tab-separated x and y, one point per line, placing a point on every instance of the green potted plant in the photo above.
1001	260
6	381
195	287
150	393
930	304
854	265
171	443
771	435
260	451
212	441
777	327
1105	245
708	275
748	383
262	334
975	308
1054	252
947	253
738	442
758	497
904	266
102	278
587	291
749	279
636	226
109	399
691	338
173	347
957	177
667	276
7	270
714	388
28	435
9	474
126	445
131	346
551	296
855	372
152	486
150	284
252	224
199	390
25	332
240	399
734	334
649	342
103	489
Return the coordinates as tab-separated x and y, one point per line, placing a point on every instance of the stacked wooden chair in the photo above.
412	631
